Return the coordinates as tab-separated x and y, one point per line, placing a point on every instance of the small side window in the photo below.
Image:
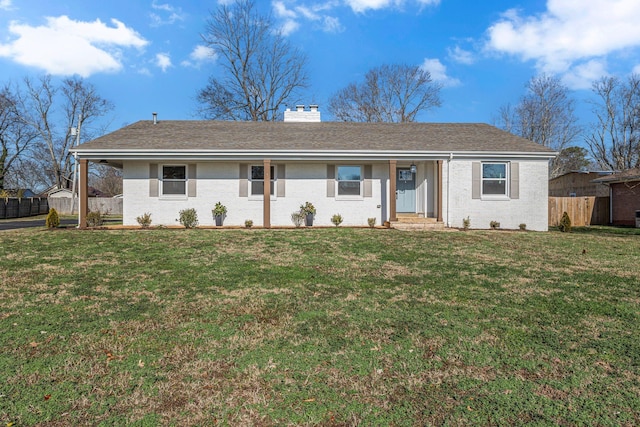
256	180
494	179
174	180
349	179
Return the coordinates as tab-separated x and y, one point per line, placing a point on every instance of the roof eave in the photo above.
369	155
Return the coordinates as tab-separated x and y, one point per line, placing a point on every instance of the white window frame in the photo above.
502	196
274	182
162	181
359	196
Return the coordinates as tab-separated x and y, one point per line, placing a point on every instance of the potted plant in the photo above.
219	212
308	210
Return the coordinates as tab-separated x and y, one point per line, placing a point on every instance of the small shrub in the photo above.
494	225
297	218
466	223
189	218
94	219
53	220
144	220
371	222
523	227
565	223
248	223
336	219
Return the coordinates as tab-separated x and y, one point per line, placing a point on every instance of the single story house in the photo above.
624	190
264	171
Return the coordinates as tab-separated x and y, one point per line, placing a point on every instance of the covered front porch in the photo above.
417	186
414	193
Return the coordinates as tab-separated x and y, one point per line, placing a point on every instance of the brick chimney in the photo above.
302	115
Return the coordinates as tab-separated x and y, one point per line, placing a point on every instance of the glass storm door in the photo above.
405	191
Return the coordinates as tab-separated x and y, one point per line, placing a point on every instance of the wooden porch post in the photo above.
439	190
392	190
83	192
266	207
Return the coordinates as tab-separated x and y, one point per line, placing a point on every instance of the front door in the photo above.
405	191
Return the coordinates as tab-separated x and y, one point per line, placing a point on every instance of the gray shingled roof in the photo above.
332	136
624	176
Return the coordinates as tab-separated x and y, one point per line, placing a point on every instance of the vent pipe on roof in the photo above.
155	118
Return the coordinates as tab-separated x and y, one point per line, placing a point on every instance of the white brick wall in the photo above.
218	181
531	208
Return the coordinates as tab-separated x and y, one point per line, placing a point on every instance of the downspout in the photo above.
448	185
610	205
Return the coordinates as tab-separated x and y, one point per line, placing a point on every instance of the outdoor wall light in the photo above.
414	168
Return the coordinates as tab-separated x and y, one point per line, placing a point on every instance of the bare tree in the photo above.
261	70
15	137
615	138
390	93
545	114
107	179
51	112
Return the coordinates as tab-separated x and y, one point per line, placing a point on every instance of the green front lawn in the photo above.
331	326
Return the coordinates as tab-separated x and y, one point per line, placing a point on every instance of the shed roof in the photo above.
624	176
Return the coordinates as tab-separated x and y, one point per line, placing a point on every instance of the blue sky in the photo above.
147	56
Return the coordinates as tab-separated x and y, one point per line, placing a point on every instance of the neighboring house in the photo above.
62	193
446	172
67	194
624	190
578	184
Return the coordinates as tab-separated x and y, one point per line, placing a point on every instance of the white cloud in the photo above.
66	47
568	34
636	69
171	14
583	75
439	72
359	6
5	4
332	25
363	5
163	61
315	13
461	56
199	55
203	53
289	26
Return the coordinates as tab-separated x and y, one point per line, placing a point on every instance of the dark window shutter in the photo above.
368	182
243	180
280	182
514	185
331	180
153	180
476	180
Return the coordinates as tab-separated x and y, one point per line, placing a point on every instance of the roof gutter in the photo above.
230	155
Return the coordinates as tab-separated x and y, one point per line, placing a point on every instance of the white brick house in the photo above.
442	172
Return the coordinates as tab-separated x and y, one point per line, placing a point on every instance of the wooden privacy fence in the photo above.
582	210
19	207
106	205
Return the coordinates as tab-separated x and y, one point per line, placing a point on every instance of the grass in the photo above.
319	327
